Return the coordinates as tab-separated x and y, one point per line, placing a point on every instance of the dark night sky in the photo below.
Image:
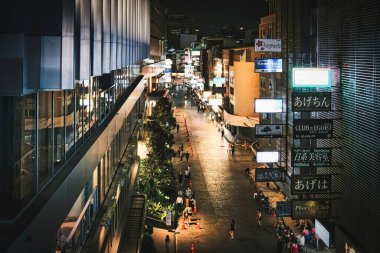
213	14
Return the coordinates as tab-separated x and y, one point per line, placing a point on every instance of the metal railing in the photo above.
82	225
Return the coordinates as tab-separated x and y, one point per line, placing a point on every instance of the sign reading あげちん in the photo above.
311	101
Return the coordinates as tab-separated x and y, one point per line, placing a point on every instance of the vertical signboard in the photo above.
168	219
269	174
284	209
312	128
311	209
311	101
311	157
268	45
310	184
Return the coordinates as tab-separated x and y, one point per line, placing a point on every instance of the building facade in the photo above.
71	97
341	36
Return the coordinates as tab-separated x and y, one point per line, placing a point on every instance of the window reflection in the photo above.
70	129
17	152
59	129
45	137
79	114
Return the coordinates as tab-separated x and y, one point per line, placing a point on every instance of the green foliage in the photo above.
156	177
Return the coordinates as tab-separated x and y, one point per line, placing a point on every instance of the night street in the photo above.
223	192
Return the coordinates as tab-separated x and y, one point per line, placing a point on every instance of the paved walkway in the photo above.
222	190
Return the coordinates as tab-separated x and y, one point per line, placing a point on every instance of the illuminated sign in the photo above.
269	131
263	105
269	175
284	208
312	128
310	184
311	157
311	101
194	53
219	80
267	45
268	65
312	78
311	209
267	157
322	232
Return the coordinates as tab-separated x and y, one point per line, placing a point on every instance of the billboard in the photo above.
269	131
311	209
195	52
267	157
268	65
311	101
268	45
219	80
311	157
269	175
284	209
310	184
263	105
312	78
322	232
313	128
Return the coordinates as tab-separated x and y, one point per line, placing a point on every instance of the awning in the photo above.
240	120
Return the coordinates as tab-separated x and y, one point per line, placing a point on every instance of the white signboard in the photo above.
268	45
263	105
194	53
267	157
215	101
311	78
322	232
168	218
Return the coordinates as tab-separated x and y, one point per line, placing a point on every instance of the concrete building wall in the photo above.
247	88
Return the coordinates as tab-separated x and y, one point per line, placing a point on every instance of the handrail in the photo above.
69	238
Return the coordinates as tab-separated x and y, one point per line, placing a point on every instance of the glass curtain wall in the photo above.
45	133
59	129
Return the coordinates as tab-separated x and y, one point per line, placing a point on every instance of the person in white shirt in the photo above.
179	202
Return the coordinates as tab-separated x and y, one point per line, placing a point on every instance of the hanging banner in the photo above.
311	157
269	175
311	101
269	131
305	184
313	128
311	209
284	209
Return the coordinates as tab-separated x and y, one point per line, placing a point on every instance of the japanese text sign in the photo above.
312	128
311	209
311	157
311	101
269	174
305	184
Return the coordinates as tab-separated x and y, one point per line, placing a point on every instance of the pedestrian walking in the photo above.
187	156
167	244
180	178
188	192
190	185
258	216
179	203
232	229
177	128
181	146
233	150
222	132
181	154
247	171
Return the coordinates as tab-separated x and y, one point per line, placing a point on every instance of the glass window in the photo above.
17	152
59	129
45	147
70	122
85	107
94	102
79	114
